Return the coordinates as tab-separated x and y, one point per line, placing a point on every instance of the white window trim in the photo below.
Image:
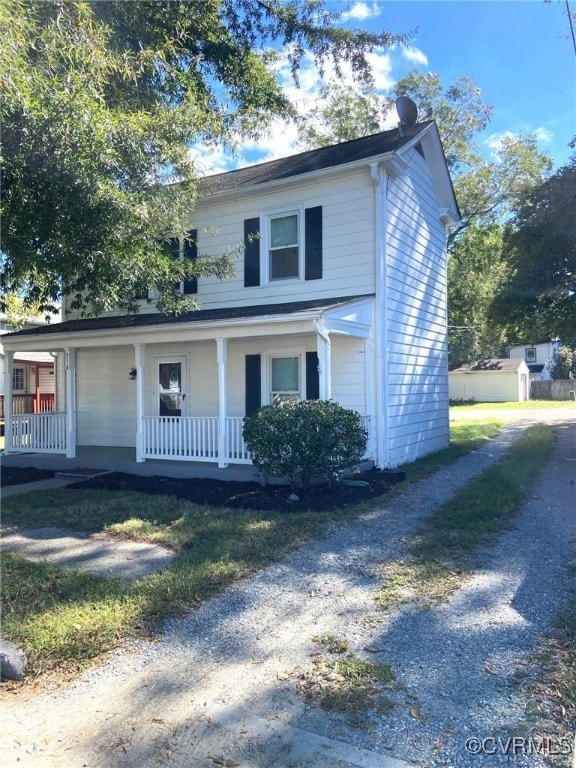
265	218
24	370
177	357
267	372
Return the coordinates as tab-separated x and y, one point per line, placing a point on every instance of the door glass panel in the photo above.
170	389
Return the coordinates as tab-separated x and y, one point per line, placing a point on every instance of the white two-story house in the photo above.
339	293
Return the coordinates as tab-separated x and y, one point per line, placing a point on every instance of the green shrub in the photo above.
305	439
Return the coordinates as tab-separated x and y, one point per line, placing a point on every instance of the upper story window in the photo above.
284	246
530	355
177	249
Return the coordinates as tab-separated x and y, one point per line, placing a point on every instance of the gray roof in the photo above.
493	364
313	160
196	316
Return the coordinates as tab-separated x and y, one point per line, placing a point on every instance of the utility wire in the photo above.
569	14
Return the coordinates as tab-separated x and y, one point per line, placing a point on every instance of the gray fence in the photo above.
562	389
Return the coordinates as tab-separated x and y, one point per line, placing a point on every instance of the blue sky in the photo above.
519	53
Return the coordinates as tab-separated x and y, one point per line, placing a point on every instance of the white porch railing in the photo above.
38	433
184	438
193	438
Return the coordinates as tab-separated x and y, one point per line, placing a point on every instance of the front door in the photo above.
171	385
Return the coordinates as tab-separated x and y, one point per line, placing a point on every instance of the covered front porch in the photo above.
172	400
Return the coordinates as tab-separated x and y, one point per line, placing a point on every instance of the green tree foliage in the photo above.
476	269
17	314
539	298
487	190
564	363
305	439
343	113
101	102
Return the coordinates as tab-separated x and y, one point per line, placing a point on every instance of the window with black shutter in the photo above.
190	253
313	243
312	376
252	252
288	248
253	383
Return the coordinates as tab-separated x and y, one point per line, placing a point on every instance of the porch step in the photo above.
81	473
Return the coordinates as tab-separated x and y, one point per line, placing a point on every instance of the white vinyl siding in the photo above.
46	378
417	378
349	373
105	397
487	386
348	241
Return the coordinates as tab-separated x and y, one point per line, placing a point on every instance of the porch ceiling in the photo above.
347	315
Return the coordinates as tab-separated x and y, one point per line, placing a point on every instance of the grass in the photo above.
460	411
345	683
549	685
440	556
65	618
465	436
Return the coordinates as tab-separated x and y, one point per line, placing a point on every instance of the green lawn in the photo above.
64	618
460	411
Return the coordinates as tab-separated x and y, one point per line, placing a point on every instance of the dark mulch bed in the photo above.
246	495
239	495
21	475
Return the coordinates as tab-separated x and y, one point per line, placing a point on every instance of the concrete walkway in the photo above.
39	485
97	553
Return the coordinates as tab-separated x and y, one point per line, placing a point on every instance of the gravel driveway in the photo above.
219	686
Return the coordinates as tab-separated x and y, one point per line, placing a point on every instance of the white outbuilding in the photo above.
490	381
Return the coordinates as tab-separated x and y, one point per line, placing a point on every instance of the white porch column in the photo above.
8	368
222	360
139	357
324	348
70	370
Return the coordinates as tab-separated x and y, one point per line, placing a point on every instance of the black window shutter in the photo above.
172	249
253	384
141	292
251	252
312	376
191	254
313	243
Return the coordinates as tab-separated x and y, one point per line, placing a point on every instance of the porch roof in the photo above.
114	326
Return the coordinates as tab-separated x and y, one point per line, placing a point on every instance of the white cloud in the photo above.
381	70
209	159
281	139
543	135
415	55
494	140
361	11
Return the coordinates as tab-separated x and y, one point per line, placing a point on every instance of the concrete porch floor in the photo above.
124	460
